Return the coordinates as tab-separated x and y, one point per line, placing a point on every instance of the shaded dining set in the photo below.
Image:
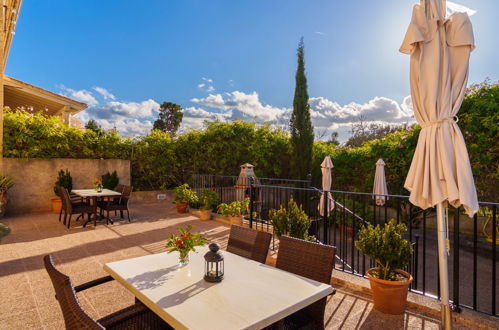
96	204
251	295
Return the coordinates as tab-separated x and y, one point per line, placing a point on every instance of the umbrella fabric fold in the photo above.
327	180
379	188
440	49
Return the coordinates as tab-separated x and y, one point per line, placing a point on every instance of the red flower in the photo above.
180	242
97	181
212	188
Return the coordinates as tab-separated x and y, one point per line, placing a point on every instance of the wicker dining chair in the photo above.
136	316
117	203
249	243
311	260
71	207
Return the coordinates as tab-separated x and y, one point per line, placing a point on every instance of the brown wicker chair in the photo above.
118	203
136	316
249	243
311	260
71	207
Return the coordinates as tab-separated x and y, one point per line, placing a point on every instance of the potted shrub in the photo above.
4	231
110	180
65	180
234	211
6	182
389	283
291	221
183	196
207	200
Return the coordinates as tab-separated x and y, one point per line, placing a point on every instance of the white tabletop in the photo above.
94	193
251	295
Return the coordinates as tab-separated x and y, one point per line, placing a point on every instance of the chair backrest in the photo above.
74	316
249	243
125	194
119	188
308	259
65	199
311	260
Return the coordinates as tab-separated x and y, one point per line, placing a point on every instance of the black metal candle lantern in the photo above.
214	264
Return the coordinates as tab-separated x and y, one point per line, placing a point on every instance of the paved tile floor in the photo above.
27	298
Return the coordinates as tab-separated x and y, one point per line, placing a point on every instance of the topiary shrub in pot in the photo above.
183	196
110	180
291	221
208	199
389	283
4	231
65	180
6	182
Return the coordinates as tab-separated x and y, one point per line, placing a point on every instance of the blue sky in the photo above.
229	59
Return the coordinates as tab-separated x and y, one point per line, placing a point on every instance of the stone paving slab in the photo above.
27	297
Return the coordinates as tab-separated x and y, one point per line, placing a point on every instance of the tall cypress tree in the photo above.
302	131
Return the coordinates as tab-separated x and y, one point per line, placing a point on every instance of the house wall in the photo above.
34	179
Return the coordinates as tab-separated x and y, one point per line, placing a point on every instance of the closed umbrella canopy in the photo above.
440	171
379	189
440	48
327	180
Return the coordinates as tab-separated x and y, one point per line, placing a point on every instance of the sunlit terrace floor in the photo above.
27	298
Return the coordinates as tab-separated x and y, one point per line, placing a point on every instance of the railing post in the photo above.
325	216
309	179
455	270
252	200
415	264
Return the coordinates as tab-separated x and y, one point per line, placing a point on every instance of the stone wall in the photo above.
35	178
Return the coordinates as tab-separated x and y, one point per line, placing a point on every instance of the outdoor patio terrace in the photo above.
28	300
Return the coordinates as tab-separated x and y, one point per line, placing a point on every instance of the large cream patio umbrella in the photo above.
440	171
327	180
379	189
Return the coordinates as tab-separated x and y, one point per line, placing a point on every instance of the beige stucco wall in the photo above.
35	178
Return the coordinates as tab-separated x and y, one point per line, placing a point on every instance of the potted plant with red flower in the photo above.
98	185
184	242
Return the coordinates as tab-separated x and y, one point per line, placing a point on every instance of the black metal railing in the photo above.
472	260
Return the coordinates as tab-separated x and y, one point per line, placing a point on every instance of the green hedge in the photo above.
158	161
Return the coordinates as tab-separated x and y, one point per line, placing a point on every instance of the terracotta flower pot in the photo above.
4	200
56	205
389	297
236	220
181	207
204	215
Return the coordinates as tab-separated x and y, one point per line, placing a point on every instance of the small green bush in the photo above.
110	180
386	247
184	194
64	180
291	221
4	230
208	199
234	209
6	182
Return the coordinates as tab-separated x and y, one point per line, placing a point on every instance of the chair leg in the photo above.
121	214
69	220
65	218
128	215
60	214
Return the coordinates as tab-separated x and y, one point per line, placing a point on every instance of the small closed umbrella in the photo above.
379	190
327	180
440	171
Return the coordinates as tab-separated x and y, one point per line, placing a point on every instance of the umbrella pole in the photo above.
442	263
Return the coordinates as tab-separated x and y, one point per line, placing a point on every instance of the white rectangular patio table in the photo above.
94	194
251	296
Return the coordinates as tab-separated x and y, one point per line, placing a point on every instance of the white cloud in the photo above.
208	80
127	127
104	93
206	85
319	33
242	106
81	95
